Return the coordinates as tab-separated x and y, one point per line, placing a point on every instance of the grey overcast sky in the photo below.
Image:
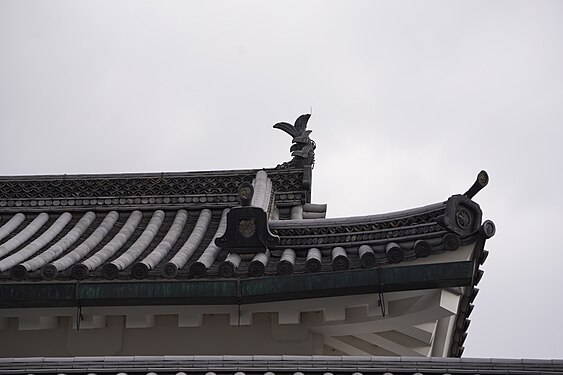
410	100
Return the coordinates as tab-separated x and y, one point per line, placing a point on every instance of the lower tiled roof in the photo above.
180	243
273	365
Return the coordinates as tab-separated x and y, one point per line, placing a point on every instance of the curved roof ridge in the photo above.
351	220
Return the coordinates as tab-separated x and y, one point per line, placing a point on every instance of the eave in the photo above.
232	291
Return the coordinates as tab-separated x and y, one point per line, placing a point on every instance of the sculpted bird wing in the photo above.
301	123
288	128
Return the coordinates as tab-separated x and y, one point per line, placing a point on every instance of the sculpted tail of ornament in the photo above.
303	147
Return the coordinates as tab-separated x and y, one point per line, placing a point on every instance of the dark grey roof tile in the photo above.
237	357
377	369
400	368
202	369
89	358
505	360
130	370
162	369
537	361
270	357
283	369
326	358
386	360
146	358
445	359
356	358
414	359
295	357
208	357
123	358
97	369
252	368
348	368
473	360
178	357
60	359
215	369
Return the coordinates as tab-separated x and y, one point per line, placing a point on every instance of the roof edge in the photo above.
237	292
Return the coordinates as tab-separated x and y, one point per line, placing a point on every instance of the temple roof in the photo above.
225	237
165	226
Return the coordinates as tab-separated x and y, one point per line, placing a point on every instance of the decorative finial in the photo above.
303	147
481	181
245	193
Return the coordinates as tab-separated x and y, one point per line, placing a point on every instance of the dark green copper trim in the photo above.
233	291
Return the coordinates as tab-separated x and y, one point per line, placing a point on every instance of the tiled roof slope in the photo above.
272	365
50	231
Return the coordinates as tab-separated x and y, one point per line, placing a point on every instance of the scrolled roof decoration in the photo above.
463	216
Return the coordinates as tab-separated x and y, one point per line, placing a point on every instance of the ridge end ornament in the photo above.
247	229
463	216
303	147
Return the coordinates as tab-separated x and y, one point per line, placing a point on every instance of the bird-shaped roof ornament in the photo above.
303	147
